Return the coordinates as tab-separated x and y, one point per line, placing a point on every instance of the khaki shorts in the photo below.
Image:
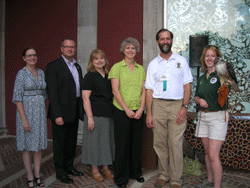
212	125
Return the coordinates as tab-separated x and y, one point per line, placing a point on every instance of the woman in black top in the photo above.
97	147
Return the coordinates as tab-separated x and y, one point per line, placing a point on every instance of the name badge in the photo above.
164	79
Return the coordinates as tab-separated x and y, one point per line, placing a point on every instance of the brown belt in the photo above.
168	99
207	111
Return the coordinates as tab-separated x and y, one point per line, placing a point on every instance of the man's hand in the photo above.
181	115
150	121
59	121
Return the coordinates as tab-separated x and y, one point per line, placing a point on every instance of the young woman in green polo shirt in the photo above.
212	124
127	79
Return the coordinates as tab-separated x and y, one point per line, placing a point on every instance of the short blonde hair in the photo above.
215	49
93	55
130	40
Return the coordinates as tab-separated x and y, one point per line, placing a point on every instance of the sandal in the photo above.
108	173
31	181
40	183
97	176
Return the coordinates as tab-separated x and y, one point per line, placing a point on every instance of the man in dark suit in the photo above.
63	78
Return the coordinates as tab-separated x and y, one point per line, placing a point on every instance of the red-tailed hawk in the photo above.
226	73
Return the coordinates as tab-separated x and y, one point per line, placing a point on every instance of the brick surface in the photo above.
13	164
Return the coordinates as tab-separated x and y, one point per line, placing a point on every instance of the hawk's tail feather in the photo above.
234	86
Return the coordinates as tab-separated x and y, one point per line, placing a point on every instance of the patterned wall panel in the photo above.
227	23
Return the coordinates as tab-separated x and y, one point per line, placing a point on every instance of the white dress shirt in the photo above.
74	73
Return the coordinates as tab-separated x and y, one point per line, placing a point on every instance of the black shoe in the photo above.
140	179
33	184
39	182
74	172
65	179
121	184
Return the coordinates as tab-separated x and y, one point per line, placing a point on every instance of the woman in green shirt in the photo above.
127	79
212	125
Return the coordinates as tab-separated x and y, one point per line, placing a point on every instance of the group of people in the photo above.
112	107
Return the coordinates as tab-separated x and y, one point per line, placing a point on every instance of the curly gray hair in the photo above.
130	40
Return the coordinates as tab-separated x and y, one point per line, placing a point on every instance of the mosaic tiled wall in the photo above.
227	23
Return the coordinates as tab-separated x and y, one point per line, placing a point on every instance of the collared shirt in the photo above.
175	72
74	73
130	84
207	89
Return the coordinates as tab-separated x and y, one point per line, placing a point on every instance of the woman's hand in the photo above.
26	126
130	113
20	109
138	114
91	124
203	103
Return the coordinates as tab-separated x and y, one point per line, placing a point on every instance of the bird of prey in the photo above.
226	73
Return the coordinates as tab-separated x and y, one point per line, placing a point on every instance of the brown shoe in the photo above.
160	183
108	173
97	176
175	186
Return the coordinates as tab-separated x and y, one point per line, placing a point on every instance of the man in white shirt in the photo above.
168	91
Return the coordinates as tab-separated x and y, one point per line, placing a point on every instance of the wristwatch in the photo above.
185	105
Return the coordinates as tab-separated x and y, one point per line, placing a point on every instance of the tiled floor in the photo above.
12	172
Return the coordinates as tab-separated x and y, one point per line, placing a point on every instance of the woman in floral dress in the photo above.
31	123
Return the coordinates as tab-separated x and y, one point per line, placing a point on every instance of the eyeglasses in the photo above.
69	47
31	55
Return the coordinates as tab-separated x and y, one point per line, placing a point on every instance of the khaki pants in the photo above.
168	139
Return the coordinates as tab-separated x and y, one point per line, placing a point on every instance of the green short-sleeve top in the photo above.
130	84
207	89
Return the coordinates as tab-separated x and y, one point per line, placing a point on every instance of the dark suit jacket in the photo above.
61	91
